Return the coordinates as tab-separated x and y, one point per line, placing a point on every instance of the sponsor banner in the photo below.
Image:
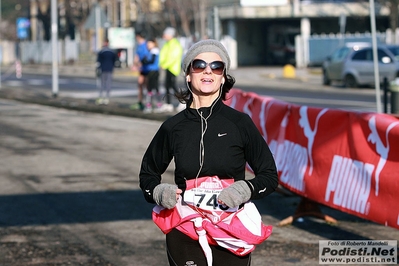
346	160
358	252
121	38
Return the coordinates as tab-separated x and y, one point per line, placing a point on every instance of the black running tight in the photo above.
184	251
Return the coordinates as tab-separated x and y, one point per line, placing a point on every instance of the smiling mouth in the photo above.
207	80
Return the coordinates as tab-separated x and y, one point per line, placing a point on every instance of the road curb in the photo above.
86	105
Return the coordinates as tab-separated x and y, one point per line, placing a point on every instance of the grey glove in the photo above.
236	194
165	195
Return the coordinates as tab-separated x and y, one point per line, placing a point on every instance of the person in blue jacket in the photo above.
151	63
141	53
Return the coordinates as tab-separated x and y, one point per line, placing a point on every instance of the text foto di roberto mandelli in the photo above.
358	251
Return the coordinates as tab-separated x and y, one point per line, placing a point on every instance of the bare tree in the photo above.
72	15
176	13
393	16
394	13
181	12
75	14
44	15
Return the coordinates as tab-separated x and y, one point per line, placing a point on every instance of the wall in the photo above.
8	52
40	52
321	46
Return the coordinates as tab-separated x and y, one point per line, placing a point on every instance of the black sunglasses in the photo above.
199	65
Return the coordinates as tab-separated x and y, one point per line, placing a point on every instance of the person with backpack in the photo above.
141	53
151	62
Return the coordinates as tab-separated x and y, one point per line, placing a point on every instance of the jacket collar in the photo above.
192	113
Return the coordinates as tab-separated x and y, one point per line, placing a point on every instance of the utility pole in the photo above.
97	13
203	5
216	25
375	57
1	47
54	45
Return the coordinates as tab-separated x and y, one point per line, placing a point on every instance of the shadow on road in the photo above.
125	205
280	206
73	207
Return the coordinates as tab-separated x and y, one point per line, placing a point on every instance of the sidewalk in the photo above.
117	106
250	75
245	76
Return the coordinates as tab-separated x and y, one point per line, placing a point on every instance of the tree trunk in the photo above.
393	18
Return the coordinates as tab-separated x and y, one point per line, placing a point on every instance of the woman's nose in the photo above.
208	69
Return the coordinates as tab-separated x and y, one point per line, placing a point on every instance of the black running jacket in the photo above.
231	140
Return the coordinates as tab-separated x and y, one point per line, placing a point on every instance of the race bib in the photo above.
202	194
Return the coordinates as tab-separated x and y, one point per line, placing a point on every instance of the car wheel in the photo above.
326	79
350	81
117	63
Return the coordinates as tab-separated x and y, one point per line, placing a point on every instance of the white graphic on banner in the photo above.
308	132
382	150
281	139
245	108
262	117
350	180
291	158
233	101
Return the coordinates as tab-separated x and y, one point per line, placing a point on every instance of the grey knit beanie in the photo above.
205	46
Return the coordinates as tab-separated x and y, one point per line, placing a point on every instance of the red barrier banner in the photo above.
345	160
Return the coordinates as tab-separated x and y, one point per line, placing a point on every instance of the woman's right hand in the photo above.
166	195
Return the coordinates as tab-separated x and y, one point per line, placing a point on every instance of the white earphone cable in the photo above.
204	127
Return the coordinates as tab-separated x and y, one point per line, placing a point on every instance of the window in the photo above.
340	54
362	55
367	55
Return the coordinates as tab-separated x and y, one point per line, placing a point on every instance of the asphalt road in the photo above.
305	89
69	196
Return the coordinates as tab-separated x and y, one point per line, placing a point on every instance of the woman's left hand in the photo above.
234	195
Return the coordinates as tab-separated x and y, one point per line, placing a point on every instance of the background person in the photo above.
170	60
206	140
106	59
151	61
141	53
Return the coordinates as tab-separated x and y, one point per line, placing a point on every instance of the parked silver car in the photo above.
353	65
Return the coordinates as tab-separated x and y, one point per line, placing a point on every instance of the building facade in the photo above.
260	32
264	31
